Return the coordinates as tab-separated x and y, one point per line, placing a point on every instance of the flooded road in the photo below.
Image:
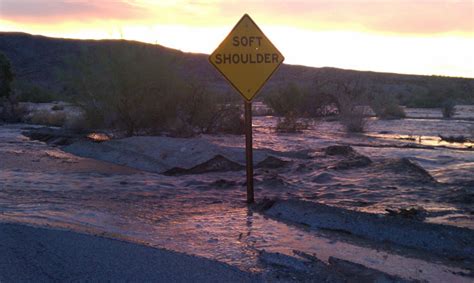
206	215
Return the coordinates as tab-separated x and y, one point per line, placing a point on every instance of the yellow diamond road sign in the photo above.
246	58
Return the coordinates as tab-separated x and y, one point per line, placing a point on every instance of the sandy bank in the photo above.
447	241
43	255
161	154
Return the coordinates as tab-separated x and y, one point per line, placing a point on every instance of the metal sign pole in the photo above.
248	150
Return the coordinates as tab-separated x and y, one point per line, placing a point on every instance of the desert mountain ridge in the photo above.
36	60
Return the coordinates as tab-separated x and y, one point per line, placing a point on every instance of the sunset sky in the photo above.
432	37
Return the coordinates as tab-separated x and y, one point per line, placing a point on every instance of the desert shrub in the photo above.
228	118
44	117
351	95
290	124
353	120
7	102
448	108
386	106
308	101
205	111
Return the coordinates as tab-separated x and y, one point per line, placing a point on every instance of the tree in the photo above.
350	95
6	76
9	103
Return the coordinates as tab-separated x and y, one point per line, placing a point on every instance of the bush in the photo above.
353	120
227	119
286	100
300	101
290	124
6	76
448	109
386	107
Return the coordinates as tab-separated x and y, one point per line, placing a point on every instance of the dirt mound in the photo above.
353	159
217	164
408	168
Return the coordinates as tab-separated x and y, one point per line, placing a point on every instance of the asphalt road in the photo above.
44	255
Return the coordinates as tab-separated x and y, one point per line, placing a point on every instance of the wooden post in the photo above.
248	150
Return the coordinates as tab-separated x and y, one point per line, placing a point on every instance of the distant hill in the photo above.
37	61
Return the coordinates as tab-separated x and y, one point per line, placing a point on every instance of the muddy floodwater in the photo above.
205	214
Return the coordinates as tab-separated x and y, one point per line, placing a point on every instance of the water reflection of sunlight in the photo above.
422	140
98	137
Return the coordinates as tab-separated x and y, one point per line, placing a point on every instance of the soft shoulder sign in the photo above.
246	58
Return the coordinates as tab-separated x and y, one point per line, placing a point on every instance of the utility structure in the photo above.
247	59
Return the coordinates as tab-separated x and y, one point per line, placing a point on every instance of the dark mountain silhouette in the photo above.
37	60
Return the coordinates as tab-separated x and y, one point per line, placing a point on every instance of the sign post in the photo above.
249	151
247	59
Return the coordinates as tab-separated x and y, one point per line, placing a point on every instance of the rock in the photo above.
353	158
339	150
415	213
271	163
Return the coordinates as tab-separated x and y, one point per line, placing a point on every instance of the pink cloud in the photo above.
382	15
77	10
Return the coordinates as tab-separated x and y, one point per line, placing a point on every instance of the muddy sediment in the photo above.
205	213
